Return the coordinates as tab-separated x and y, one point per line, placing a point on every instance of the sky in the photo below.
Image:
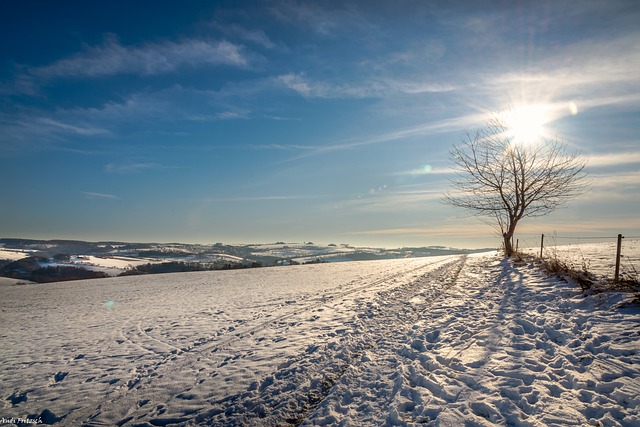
323	121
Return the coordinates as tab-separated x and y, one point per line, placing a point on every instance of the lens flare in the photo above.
573	108
378	190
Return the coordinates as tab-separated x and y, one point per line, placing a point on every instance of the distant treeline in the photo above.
31	270
183	267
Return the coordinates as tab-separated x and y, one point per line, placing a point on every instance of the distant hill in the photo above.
57	260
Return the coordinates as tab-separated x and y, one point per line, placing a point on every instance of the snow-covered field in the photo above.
598	258
457	340
13	255
111	266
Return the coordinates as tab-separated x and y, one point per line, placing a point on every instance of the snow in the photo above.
456	340
8	281
13	255
115	262
598	258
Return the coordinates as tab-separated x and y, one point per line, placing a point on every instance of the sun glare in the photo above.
526	124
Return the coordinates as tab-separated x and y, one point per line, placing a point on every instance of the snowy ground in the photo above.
598	258
458	340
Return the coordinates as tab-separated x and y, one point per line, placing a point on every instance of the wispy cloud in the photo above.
255	36
281	118
308	88
452	230
133	167
416	87
74	129
221	115
232	115
112	58
388	201
425	170
621	186
92	195
33	130
328	22
431	128
278	147
600	73
614	159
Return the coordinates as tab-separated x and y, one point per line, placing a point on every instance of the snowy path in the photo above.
504	346
436	341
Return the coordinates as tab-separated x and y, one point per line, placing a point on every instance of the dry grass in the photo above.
588	282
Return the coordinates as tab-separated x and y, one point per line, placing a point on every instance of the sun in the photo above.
526	124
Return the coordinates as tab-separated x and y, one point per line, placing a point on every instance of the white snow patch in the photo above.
13	254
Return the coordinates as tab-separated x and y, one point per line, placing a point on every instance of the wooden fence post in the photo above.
517	241
541	244
618	255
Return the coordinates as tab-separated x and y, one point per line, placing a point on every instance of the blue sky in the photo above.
236	122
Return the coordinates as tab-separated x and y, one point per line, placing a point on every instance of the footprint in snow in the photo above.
60	376
18	397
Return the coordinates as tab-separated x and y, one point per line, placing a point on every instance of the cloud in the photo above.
388	201
231	115
322	89
133	167
258	37
622	186
614	159
469	230
382	87
413	88
25	130
277	147
454	124
591	73
112	58
92	195
425	170
74	129
330	22
221	115
440	126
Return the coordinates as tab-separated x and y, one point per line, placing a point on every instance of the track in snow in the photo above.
291	393
178	349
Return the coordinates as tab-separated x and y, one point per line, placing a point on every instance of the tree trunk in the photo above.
508	247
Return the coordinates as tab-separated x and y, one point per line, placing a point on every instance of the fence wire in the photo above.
596	254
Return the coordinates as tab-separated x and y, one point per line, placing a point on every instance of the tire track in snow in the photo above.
299	387
315	302
218	342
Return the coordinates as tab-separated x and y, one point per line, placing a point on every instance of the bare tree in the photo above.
505	181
